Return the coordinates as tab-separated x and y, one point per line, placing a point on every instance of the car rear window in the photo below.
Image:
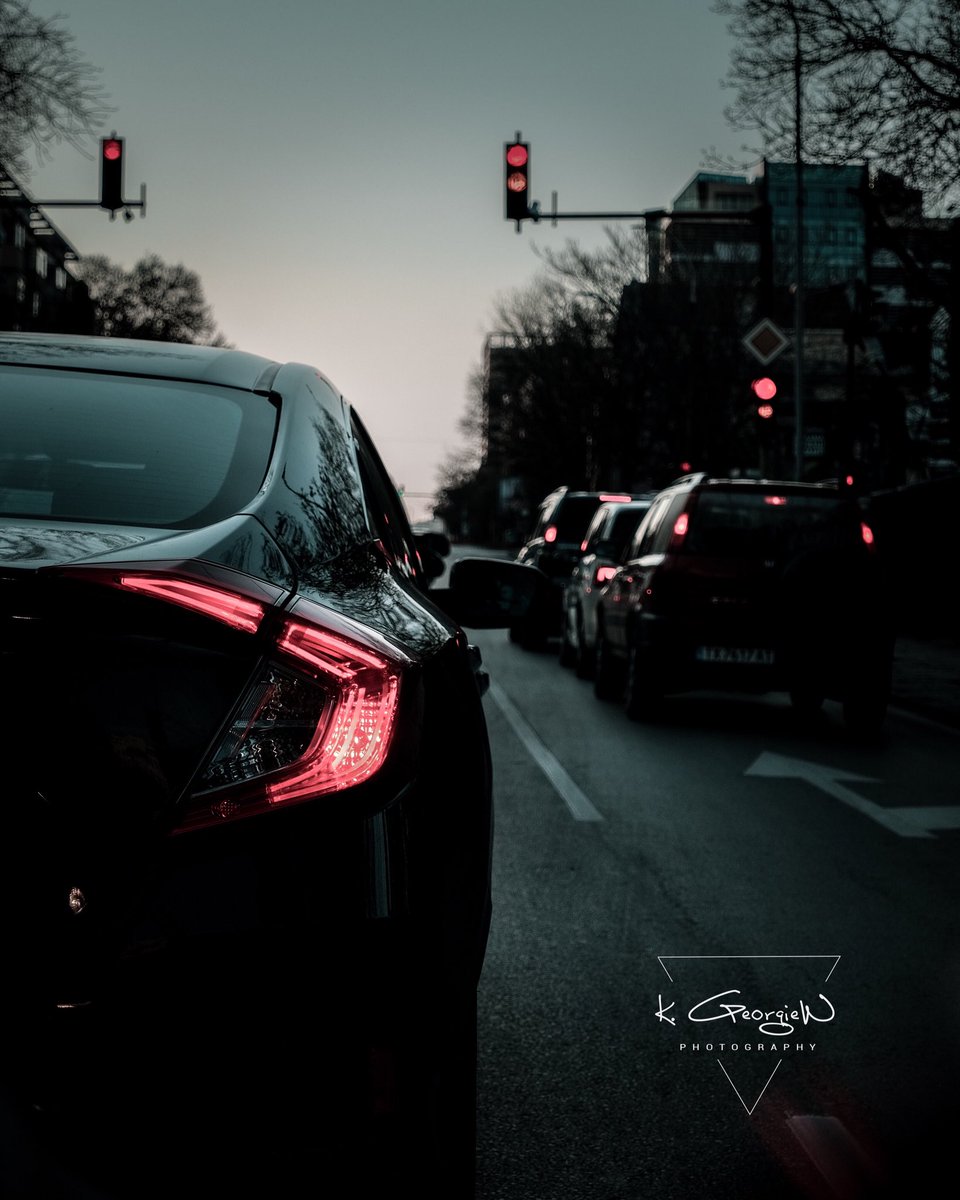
764	525
625	523
573	516
90	447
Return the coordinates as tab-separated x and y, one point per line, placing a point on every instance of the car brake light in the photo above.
320	713
604	574
583	546
550	534
214	602
866	533
616	499
319	718
681	525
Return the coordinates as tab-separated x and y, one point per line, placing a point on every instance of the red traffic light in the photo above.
516	162
111	173
764	388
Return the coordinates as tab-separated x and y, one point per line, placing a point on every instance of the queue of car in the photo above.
745	585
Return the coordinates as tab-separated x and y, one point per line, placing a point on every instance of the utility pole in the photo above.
799	439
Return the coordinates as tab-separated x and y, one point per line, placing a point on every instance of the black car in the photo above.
753	586
247	799
608	535
554	548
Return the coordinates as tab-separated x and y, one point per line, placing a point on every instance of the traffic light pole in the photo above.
126	205
534	214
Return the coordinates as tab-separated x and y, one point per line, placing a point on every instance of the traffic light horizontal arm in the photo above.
83	204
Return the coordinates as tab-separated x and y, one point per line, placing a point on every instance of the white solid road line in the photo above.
573	797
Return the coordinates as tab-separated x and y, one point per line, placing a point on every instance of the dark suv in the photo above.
554	547
748	585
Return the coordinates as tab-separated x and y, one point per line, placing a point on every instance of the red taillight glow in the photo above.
551	534
604	575
616	499
222	605
681	525
319	721
583	546
327	652
866	533
776	501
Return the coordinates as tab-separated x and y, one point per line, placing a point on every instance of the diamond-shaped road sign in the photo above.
765	341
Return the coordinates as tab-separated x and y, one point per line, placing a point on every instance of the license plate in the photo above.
752	656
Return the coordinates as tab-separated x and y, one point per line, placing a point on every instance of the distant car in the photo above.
607	537
243	915
554	548
748	585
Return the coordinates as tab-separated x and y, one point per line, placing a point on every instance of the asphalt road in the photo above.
648	875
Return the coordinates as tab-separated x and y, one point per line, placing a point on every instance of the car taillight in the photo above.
604	575
319	713
550	533
214	602
680	527
867	534
318	719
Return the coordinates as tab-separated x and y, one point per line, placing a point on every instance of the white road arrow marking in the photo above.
907	822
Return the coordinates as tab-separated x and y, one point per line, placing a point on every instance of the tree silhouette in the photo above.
154	300
881	83
48	91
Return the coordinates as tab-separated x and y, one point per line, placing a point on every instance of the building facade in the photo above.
38	291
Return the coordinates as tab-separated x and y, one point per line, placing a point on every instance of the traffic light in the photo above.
516	177
764	389
111	173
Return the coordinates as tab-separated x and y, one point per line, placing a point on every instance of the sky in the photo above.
331	169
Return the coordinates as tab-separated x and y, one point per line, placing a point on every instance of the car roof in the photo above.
129	356
747	485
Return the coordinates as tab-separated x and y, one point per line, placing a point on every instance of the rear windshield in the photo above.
107	448
625	524
756	525
573	516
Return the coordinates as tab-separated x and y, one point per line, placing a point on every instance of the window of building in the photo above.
41	263
60	278
21	289
35	304
19	235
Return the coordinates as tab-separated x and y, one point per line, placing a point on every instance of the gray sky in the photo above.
332	168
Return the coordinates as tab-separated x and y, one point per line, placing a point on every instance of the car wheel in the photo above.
864	712
607	682
423	1141
583	664
527	636
643	691
806	701
568	652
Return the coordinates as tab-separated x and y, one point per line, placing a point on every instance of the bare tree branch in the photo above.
881	83
49	93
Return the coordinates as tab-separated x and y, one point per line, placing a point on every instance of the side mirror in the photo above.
435	543
492	593
433	564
